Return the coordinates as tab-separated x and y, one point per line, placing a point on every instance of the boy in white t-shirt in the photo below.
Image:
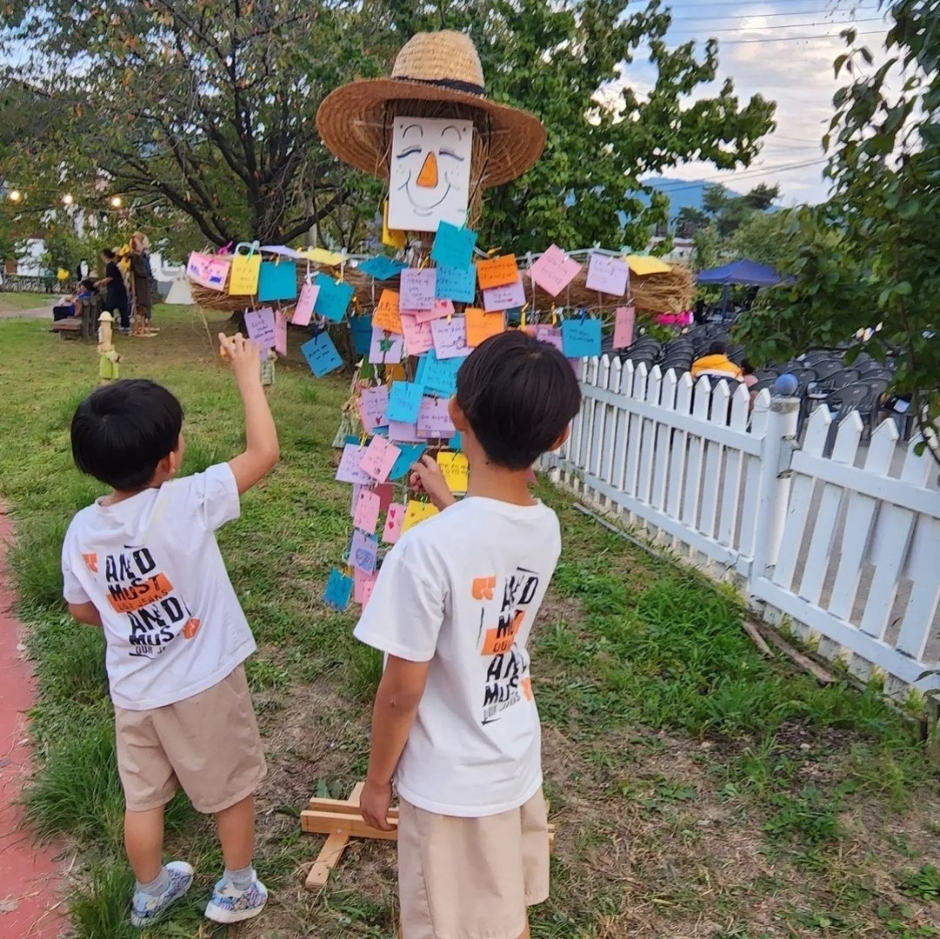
455	721
143	564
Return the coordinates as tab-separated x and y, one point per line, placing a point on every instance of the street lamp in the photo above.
67	199
116	202
16	195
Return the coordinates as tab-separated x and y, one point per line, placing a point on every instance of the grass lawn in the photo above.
699	792
14	302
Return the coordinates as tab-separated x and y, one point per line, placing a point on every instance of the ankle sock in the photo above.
160	884
240	880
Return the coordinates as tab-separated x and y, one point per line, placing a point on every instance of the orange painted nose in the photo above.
428	175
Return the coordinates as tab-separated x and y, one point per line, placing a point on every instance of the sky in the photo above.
784	50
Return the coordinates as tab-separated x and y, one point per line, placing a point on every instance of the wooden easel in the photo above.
339	820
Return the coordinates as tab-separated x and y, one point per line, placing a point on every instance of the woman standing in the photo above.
116	295
141	281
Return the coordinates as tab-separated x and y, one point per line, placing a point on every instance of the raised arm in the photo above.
261	450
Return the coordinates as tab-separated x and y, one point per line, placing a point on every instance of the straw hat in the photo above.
442	66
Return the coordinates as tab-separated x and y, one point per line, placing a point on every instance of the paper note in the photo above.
455	469
243	281
280	333
379	458
322	256
277	280
361	329
549	334
386	348
418	337
504	298
381	268
438	376
208	271
259	325
368	507
554	270
607	275
386	315
581	338
497	272
404	400
410	454
450	337
321	355
332	298
386	493
363	585
349	470
456	283
402	432
372	404
364	552
391	237
440	309
393	522
338	590
453	246
417	288
624	320
417	512
305	303
434	418
481	325
456	442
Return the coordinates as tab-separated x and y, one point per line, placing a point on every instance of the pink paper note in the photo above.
363	585
280	333
550	335
393	522
418	337
624	319
386	348
304	309
504	298
367	511
350	470
450	337
372	403
402	433
607	275
418	289
259	325
379	458
554	270
434	418
385	492
440	309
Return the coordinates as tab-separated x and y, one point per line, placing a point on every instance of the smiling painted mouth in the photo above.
421	208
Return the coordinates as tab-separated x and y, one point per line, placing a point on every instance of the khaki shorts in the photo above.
207	744
471	878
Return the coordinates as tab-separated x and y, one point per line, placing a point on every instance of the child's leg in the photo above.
236	828
143	840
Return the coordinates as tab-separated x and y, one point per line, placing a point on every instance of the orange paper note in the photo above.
497	272
386	315
481	325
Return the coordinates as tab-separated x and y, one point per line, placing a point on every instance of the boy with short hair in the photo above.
143	563
455	720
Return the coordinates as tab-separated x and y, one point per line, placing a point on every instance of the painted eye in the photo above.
411	151
451	154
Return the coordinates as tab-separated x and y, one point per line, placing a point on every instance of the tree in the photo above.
205	111
766	237
761	197
690	220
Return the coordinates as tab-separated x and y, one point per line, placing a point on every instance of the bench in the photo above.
85	325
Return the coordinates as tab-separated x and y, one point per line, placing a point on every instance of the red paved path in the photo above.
30	897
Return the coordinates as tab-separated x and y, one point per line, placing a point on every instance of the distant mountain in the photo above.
683	193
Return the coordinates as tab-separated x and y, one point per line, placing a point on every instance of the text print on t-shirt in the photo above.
507	675
156	614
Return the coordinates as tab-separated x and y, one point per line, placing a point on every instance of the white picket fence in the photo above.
844	549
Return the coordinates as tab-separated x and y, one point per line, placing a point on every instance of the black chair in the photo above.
842	402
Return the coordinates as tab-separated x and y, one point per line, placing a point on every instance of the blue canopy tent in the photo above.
743	273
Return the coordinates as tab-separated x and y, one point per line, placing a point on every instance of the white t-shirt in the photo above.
151	566
462	591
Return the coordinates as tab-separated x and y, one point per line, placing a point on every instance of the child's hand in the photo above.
243	354
426	477
373	805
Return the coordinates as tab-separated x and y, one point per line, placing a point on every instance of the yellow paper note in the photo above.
386	315
456	470
481	325
391	238
642	265
243	281
322	256
415	513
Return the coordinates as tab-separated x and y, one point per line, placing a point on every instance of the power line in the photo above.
748	16
745	174
847	24
735	42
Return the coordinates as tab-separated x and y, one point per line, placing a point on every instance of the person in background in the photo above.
116	291
749	379
73	306
716	364
141	280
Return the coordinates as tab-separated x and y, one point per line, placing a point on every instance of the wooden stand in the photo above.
339	820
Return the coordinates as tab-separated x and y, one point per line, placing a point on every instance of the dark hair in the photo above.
718	348
123	430
746	367
109	254
518	395
88	284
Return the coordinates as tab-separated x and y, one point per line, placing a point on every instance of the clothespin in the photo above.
522	316
554	316
583	312
493	251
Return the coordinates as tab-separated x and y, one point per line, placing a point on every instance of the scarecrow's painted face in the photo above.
429	173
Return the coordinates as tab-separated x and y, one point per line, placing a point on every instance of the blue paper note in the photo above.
338	590
410	454
404	401
381	268
321	355
453	246
333	298
361	327
456	283
581	338
456	442
364	552
438	376
277	280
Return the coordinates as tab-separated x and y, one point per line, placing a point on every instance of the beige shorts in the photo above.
471	878
207	744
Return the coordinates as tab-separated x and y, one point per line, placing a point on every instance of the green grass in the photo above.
691	781
14	302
